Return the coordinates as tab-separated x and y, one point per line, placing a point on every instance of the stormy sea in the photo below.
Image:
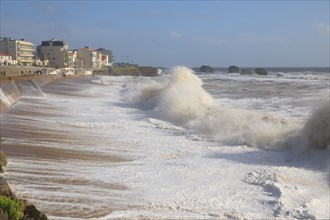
181	145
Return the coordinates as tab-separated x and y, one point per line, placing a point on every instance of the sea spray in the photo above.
316	132
143	94
243	127
183	98
179	97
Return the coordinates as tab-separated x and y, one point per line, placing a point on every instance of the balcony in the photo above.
25	58
26	54
26	61
26	48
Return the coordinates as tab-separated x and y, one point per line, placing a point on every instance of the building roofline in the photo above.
84	48
4	54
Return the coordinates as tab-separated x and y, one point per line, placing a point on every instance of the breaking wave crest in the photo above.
316	132
179	97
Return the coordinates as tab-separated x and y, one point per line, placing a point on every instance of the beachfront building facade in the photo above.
107	58
70	58
20	50
73	60
55	51
104	60
5	59
52	53
91	58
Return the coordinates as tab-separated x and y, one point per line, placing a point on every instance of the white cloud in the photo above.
322	28
47	8
174	34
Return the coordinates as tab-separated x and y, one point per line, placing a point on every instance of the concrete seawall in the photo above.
42	81
25	71
9	94
12	90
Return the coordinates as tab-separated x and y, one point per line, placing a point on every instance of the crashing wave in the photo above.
179	97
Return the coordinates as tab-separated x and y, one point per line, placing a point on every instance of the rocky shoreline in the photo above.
12	207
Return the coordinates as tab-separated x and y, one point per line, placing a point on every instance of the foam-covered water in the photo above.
182	145
180	98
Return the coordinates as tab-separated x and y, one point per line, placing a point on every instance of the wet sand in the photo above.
34	139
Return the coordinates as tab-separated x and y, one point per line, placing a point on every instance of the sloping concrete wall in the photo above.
13	85
11	91
22	70
9	94
41	81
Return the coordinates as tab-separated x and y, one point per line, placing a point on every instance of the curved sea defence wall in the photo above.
12	90
9	94
15	87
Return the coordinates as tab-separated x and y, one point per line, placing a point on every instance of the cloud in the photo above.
47	8
174	35
322	28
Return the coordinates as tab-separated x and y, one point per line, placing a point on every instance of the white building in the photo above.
5	59
20	50
70	58
55	51
73	59
107	58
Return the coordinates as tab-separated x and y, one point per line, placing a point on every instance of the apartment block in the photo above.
20	50
107	57
91	58
56	52
73	59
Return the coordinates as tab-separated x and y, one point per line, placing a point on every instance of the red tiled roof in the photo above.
3	54
87	49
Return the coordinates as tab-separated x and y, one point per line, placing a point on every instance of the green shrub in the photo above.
14	208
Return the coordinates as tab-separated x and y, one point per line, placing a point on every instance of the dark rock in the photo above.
3	214
32	213
25	202
5	189
3	161
148	71
206	69
246	72
261	71
233	69
134	71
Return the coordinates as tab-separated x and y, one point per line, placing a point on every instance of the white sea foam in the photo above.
180	98
171	174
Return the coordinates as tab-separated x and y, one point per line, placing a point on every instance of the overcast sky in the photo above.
191	33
